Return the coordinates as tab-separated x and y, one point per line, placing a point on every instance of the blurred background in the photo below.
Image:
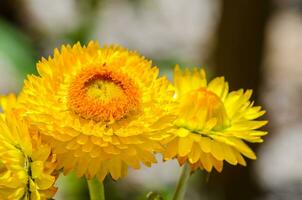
254	43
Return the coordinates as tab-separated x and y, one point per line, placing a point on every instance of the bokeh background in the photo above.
254	43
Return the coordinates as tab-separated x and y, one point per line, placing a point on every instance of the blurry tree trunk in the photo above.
10	10
239	51
238	56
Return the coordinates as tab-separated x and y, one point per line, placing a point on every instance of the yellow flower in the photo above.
101	109
213	124
26	165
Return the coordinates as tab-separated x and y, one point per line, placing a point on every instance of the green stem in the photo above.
96	189
182	183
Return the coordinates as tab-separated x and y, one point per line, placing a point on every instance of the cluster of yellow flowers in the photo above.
97	111
27	165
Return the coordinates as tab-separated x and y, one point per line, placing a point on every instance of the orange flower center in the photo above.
103	95
200	106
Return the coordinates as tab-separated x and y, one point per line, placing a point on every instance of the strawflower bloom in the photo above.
213	124
27	167
101	109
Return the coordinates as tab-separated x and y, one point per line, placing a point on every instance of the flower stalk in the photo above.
182	183
96	189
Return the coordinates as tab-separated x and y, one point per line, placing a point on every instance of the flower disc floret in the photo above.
103	95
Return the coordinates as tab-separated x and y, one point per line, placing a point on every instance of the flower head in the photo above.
213	124
101	109
27	167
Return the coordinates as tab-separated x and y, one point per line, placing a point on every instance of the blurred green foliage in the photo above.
72	188
16	47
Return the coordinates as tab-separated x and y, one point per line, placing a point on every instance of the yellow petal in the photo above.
239	158
242	148
115	167
218	86
183	132
195	153
184	146
206	162
132	161
36	169
247	125
217	150
217	164
45	181
205	144
102	172
229	156
171	149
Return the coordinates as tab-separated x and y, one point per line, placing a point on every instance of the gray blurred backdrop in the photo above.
255	44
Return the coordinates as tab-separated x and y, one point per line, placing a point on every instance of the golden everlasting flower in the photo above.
26	165
213	123
101	109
